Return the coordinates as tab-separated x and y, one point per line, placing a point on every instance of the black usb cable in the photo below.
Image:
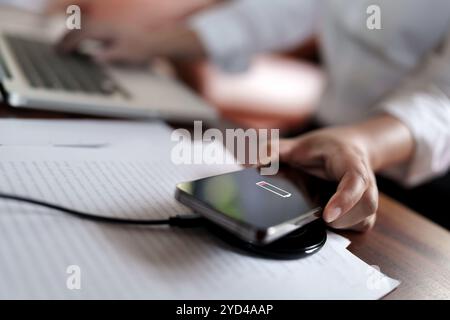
181	221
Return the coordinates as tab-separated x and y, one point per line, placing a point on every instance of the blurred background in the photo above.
291	81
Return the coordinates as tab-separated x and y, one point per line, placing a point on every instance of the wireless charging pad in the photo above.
297	244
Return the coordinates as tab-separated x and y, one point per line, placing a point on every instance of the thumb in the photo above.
350	190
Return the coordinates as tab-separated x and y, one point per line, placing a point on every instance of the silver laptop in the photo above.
34	75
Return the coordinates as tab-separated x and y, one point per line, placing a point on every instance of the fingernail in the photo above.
333	214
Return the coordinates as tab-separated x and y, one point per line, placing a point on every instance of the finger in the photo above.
356	217
301	152
365	225
285	148
351	188
273	152
295	151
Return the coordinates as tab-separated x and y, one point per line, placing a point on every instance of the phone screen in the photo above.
256	200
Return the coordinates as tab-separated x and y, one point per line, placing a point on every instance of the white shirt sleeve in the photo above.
233	32
423	104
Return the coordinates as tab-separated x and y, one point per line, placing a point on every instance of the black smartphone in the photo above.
258	209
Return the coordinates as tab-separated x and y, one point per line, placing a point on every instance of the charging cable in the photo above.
181	221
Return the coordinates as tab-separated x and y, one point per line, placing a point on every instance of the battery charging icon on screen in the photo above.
274	189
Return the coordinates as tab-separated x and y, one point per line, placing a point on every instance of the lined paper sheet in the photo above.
133	177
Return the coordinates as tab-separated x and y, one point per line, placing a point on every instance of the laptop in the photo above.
34	75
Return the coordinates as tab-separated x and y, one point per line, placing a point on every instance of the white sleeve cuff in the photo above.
223	38
428	118
233	32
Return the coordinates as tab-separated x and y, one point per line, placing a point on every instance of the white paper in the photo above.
133	176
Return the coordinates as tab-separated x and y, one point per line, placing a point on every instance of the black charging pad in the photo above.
302	242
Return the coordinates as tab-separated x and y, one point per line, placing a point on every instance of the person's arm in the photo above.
409	139
422	103
134	32
232	33
351	155
228	34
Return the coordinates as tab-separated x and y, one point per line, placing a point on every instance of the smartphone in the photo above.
258	209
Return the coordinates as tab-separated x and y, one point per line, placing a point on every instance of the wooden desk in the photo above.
403	244
407	247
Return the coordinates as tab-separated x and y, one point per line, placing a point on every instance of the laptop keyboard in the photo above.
44	67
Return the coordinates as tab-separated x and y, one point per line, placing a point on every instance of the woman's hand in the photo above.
135	45
338	154
350	155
